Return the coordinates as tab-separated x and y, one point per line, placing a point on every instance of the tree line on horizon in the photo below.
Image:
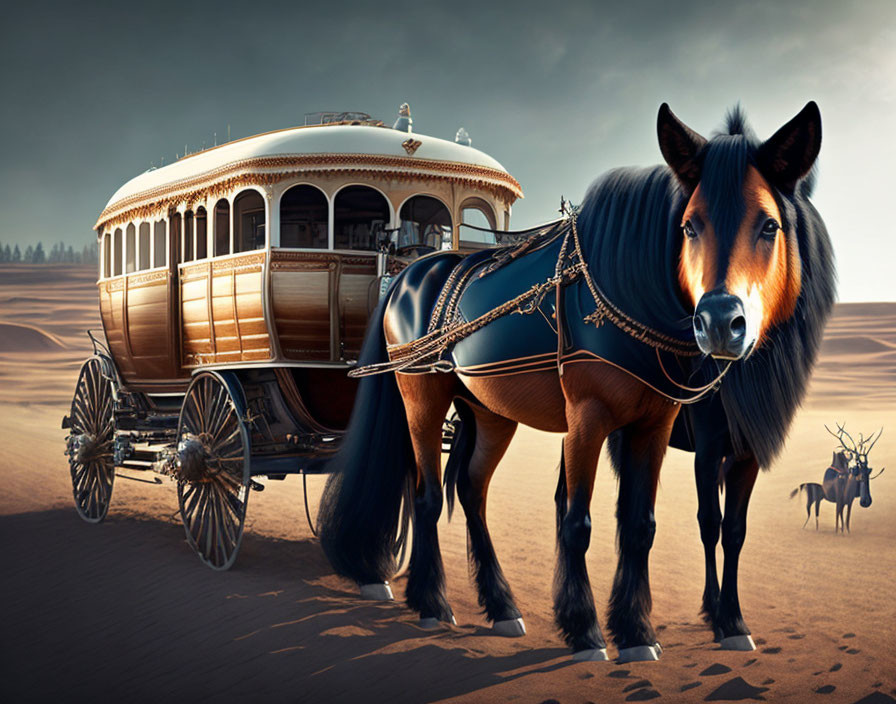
58	254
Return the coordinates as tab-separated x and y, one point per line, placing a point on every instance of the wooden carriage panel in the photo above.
301	293
222	311
112	311
149	327
358	295
321	302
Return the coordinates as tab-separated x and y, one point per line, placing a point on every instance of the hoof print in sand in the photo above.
642	695
690	685
836	666
716	668
768	680
826	689
876	698
853	651
848	635
771	651
736	689
640	684
619	674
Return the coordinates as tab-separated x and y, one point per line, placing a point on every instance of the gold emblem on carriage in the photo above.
411	145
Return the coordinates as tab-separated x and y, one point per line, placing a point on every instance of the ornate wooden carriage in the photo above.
235	286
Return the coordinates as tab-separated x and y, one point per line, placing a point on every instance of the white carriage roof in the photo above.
318	148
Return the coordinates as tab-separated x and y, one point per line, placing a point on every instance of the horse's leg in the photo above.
739	483
848	514
574	610
808	506
817	506
637	452
709	516
427	398
484	439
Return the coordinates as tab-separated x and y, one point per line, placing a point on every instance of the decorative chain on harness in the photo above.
446	327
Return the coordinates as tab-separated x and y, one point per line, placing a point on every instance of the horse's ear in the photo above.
789	153
680	146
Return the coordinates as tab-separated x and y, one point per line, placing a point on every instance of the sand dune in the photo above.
124	611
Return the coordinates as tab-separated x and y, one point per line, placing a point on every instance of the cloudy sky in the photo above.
95	93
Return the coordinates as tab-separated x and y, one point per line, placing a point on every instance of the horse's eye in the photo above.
769	229
689	230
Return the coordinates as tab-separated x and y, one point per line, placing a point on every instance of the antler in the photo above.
875	440
841	431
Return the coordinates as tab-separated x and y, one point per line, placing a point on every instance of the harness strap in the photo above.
446	328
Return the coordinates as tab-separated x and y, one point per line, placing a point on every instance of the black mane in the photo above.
630	226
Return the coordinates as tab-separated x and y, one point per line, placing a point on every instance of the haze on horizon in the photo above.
96	93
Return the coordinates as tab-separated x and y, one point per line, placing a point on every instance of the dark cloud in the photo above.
558	92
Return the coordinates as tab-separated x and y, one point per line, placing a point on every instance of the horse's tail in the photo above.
462	446
361	502
796	491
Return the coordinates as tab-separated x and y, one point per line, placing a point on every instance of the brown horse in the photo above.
708	254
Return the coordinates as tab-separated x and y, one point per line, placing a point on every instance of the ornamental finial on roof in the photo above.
405	122
463	137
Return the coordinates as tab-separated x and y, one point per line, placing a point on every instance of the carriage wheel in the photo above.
90	443
212	468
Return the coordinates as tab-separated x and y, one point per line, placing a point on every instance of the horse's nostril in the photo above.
738	326
698	323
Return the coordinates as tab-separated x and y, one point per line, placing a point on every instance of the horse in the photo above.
843	482
839	487
617	325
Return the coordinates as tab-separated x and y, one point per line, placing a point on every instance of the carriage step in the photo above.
255	486
66	422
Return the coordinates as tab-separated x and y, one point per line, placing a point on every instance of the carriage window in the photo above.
130	249
478	213
188	236
158	244
360	216
201	234
248	221
303	218
222	227
145	246
174	237
119	251
107	255
424	221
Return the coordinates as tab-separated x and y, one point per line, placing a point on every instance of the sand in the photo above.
124	611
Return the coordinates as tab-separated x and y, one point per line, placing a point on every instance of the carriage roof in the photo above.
376	151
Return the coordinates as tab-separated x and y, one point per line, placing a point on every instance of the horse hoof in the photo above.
737	643
591	655
431	623
640	653
511	628
377	592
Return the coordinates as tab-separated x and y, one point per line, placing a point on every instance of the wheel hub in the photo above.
82	448
192	463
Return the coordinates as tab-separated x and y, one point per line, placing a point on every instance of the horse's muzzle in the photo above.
720	326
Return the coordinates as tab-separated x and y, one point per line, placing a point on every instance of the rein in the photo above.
424	354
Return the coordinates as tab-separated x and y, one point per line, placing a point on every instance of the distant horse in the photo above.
840	488
600	327
842	483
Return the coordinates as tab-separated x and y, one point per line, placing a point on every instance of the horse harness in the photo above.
448	325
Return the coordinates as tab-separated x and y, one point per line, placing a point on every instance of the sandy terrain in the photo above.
124	611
